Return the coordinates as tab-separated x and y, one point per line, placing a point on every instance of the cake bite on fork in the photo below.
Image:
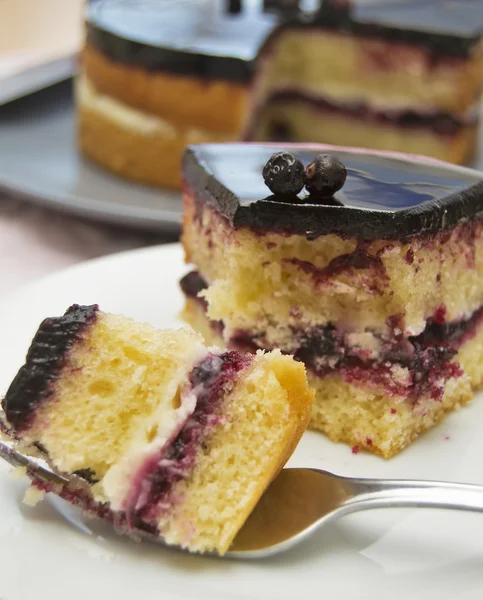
153	430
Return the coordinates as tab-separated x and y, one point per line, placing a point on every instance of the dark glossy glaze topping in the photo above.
383	196
46	357
179	38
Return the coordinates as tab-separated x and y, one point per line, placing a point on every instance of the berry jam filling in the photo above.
46	357
210	381
441	123
412	367
427	358
359	260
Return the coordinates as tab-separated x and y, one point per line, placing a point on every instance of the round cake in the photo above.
157	76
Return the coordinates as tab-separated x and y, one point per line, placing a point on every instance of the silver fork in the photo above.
301	501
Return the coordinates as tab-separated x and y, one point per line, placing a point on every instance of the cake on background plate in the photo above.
378	289
397	75
157	432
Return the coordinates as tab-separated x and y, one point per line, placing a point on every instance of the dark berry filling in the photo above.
440	123
210	381
87	474
47	355
191	285
359	260
280	132
428	357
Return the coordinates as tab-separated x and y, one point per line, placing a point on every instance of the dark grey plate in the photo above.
39	162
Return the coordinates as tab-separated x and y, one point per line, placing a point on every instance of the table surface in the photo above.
35	242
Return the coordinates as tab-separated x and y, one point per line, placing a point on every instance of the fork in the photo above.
298	502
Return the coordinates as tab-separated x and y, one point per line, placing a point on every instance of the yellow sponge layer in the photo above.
264	417
116	379
271	283
365	417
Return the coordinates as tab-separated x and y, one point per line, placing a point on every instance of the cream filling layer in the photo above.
162	428
133	119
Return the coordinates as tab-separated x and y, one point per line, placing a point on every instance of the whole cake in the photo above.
157	432
377	287
157	76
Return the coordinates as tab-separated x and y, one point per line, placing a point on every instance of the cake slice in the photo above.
400	76
377	288
167	436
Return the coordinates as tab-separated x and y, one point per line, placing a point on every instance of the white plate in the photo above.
47	553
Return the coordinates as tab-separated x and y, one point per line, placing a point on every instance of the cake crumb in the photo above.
33	496
18	473
447	437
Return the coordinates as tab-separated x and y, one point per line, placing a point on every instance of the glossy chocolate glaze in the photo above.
177	38
180	39
383	197
47	355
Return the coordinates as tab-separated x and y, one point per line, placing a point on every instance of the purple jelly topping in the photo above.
47	355
210	380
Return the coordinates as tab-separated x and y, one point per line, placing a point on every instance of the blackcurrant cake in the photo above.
155	431
156	76
371	274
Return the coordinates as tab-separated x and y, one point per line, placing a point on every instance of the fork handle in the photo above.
373	493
